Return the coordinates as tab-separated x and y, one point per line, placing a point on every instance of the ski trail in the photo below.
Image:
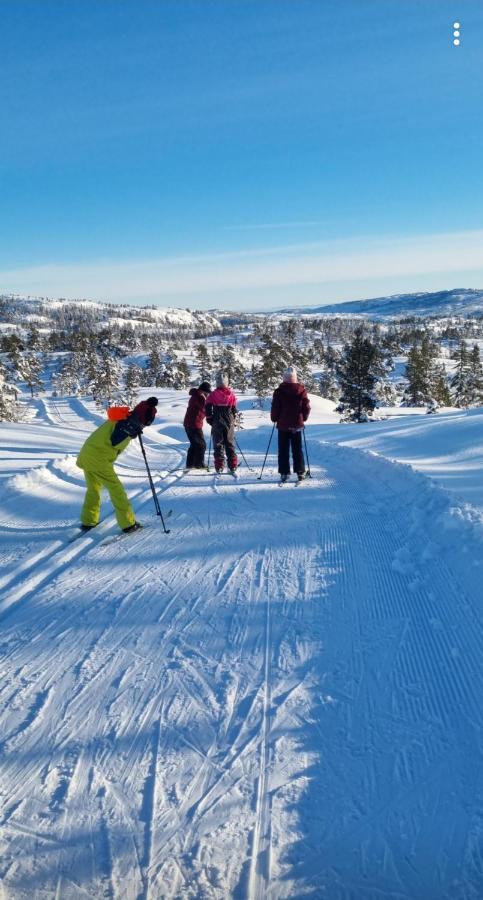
259	877
282	699
148	810
55	558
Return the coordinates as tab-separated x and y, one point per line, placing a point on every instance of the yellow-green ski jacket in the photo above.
97	453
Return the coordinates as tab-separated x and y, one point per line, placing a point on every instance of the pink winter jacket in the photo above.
220	404
222	396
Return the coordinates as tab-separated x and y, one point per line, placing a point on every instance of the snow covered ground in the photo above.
280	698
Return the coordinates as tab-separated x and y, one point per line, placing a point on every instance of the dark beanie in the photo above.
205	386
152	401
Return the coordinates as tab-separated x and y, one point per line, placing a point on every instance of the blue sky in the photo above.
240	153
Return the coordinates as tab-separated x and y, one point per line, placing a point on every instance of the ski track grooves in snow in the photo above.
259	878
283	699
51	561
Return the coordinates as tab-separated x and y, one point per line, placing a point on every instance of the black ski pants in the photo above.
224	442
196	451
287	440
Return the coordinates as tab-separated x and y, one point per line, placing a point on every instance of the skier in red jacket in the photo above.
193	425
290	410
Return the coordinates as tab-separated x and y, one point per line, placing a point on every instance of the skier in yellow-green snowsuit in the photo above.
97	458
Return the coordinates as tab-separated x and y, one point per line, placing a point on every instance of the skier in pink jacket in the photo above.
220	414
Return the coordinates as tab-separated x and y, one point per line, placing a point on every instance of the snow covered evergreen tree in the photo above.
385	393
227	361
134	377
106	386
328	386
9	410
68	380
426	376
359	369
460	382
155	369
467	381
34	339
475	378
29	369
182	375
203	361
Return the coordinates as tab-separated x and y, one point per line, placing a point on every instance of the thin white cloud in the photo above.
214	276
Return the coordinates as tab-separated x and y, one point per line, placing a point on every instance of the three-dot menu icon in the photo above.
456	33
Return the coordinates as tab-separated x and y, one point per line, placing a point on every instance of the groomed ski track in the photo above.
282	698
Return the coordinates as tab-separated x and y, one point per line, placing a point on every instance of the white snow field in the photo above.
282	698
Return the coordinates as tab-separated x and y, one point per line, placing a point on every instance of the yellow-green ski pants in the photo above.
91	509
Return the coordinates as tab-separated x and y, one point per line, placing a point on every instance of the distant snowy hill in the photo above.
457	302
42	311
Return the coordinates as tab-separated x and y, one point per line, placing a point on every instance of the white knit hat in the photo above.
290	374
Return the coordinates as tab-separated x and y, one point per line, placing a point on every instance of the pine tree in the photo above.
427	382
385	393
155	369
289	329
106	386
439	385
68	379
134	376
29	370
9	411
34	340
475	378
261	382
228	362
328	386
203	361
182	376
127	339
415	393
460	380
12	344
167	375
358	372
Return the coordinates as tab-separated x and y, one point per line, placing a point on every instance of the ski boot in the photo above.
131	528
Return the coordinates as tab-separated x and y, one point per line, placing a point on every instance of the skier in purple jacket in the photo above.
290	410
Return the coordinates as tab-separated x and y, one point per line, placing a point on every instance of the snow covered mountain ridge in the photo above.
456	302
42	311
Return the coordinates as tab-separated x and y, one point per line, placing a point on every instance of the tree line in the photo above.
344	359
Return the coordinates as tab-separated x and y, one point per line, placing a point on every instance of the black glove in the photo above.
126	428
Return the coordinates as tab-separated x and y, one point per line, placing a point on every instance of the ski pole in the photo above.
266	454
209	454
151	485
307	455
242	455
